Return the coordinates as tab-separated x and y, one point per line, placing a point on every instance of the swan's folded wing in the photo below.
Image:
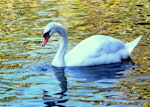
95	50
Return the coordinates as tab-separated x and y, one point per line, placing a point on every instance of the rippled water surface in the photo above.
27	78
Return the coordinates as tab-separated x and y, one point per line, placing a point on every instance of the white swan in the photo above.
95	50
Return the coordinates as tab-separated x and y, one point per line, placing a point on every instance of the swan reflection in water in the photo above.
89	74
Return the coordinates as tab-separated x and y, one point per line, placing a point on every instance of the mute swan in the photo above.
95	50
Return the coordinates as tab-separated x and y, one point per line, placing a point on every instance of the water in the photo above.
27	77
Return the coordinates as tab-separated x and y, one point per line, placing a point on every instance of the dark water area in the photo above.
27	78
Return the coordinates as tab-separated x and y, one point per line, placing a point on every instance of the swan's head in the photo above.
50	29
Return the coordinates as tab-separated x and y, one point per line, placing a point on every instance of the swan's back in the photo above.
95	50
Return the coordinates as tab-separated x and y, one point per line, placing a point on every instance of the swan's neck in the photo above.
58	60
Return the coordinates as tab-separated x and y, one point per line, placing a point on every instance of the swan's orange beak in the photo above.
46	38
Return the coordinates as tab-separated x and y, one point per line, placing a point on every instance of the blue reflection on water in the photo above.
102	78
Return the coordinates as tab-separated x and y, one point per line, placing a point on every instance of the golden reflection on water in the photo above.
22	26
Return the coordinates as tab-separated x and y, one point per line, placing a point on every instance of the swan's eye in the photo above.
47	33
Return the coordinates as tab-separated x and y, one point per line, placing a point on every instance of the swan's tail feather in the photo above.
131	45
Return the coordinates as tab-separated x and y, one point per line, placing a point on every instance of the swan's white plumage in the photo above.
97	49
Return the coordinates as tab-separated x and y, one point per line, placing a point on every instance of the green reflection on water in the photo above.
22	26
